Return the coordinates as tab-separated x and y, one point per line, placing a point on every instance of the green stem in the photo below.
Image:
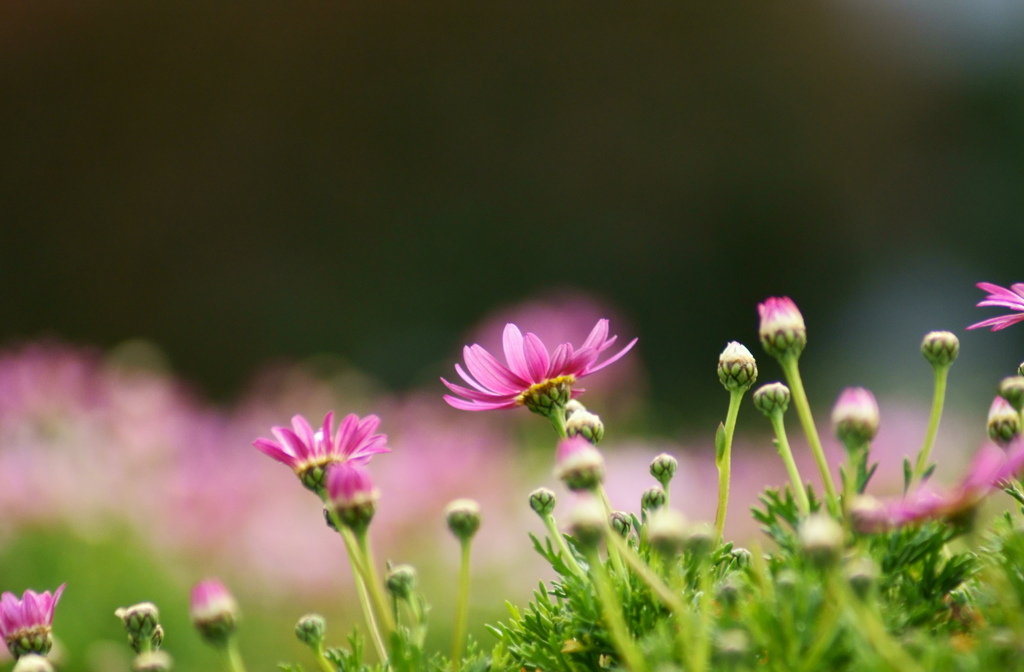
613	553
374	584
625	646
871	627
321	660
803	409
462	609
648	576
938	401
724	462
782	444
364	596
563	547
557	418
233	657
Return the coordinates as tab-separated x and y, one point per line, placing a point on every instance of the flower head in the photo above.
533	377
310	452
214	611
25	624
782	329
855	416
352	494
579	464
1012	298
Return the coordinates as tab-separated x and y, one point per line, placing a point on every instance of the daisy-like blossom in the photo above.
310	452
532	377
1012	298
991	468
25	624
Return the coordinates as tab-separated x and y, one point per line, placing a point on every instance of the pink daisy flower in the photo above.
1012	298
310	452
532	377
25	623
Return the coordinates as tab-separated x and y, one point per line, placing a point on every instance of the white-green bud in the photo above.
940	348
699	540
652	499
1003	421
663	468
141	621
33	662
310	630
862	574
401	581
732	646
579	464
542	501
821	538
621	523
737	369
463	516
1012	389
586	424
772	398
667	532
587	523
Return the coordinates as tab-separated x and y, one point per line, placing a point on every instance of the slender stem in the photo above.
782	444
563	547
649	576
724	462
233	657
629	653
557	417
613	553
938	401
364	596
462	610
374	584
803	409
321	660
873	629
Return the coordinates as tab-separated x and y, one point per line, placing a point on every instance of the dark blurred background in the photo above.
246	183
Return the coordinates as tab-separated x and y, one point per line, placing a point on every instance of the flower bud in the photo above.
152	661
463	516
587	523
862	574
401	581
652	499
33	662
214	611
855	417
732	646
1020	369
771	398
821	538
578	464
741	556
782	329
310	630
542	501
1003	421
786	582
699	540
1012	389
667	532
737	369
141	622
352	495
663	468
621	523
729	590
586	424
940	348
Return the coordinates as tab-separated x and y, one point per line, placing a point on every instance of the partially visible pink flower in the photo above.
531	371
1012	298
309	452
990	469
25	624
213	611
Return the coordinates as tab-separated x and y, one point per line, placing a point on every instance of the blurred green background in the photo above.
241	184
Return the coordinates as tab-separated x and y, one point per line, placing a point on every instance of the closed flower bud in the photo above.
578	464
310	630
33	662
463	516
855	417
214	611
542	501
586	424
666	532
729	590
772	398
1012	389
663	468
699	540
782	329
621	523
732	646
401	581
742	557
940	348
141	622
352	495
1020	369
737	369
1003	421
822	539
862	574
587	523
152	661
652	499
